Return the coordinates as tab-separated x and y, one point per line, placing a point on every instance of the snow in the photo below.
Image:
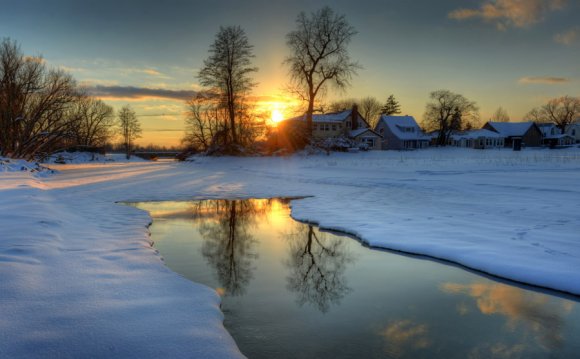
85	157
360	131
327	117
475	134
15	165
80	278
511	129
397	124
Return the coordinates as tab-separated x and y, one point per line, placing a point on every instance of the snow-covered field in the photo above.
80	279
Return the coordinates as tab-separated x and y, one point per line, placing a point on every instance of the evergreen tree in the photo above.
391	107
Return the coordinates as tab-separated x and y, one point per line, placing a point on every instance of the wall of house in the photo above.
390	141
377	145
574	131
335	129
532	138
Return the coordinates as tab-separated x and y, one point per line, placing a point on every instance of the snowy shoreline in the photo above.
80	276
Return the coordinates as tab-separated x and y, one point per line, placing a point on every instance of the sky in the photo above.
511	53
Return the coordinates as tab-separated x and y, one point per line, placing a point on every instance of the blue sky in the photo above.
510	53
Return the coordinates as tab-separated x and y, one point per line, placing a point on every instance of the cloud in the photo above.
404	335
139	93
510	13
569	37
529	311
543	80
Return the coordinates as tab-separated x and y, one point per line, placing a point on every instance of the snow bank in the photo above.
89	157
79	277
12	165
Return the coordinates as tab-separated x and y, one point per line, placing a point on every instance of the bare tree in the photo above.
227	72
500	115
319	55
562	111
129	128
391	107
33	104
535	115
342	105
448	112
91	121
206	124
370	108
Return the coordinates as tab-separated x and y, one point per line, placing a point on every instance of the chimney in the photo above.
354	117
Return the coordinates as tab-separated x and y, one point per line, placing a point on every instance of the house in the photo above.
344	124
574	131
553	136
401	132
478	139
517	134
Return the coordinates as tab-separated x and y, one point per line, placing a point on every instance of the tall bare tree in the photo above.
500	115
370	108
448	112
227	72
129	128
319	55
33	104
562	111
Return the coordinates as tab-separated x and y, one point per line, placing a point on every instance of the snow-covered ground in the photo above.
87	157
79	277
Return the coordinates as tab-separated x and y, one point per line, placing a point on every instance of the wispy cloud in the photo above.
510	13
568	37
544	80
139	93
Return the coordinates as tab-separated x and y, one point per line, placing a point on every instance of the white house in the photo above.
552	136
346	124
574	131
479	139
401	132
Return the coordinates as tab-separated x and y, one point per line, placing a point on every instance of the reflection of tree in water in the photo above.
317	264
225	226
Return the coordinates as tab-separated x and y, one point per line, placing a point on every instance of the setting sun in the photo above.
277	115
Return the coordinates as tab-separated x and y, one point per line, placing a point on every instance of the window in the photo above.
369	141
314	127
334	127
574	132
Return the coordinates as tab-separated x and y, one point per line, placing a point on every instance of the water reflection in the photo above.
314	294
228	244
403	336
317	264
535	313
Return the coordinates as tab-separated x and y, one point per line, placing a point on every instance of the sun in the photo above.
277	115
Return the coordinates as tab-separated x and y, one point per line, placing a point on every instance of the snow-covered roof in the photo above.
474	134
360	131
398	124
326	117
509	129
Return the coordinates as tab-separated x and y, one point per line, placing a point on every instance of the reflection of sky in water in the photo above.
290	290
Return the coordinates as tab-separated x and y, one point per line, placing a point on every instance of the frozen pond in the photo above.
290	290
